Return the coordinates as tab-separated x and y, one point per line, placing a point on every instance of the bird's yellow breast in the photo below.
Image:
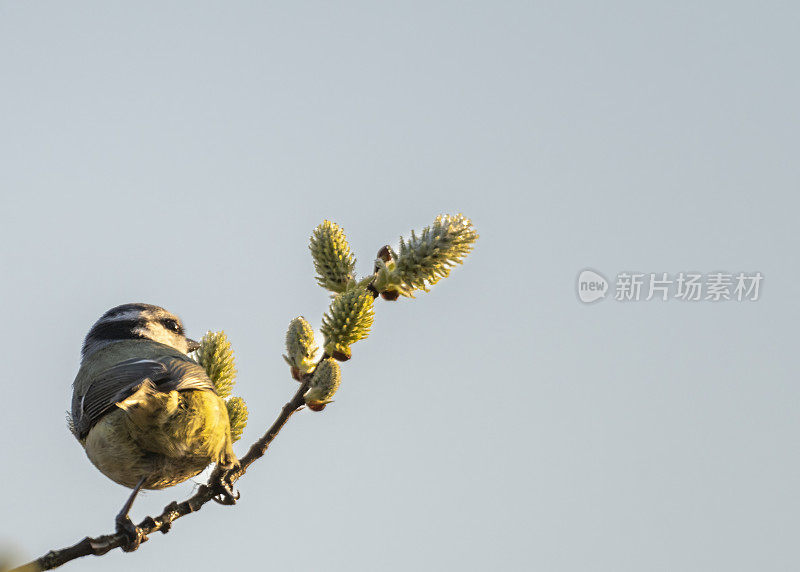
165	438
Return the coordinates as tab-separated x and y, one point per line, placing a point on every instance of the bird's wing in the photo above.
121	381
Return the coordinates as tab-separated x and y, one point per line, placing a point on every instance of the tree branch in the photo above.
100	545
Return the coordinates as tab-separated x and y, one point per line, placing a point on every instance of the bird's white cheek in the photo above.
162	336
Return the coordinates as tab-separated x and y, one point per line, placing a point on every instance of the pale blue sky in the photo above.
181	153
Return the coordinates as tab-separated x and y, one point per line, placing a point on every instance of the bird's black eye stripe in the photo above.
172	325
117	330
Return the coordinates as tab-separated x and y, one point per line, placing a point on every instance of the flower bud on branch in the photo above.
300	348
333	261
237	414
216	356
425	259
324	384
348	320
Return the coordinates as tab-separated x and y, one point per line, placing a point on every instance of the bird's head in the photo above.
137	322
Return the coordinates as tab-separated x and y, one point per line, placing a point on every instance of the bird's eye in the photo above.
172	325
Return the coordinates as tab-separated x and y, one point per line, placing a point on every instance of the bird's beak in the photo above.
192	345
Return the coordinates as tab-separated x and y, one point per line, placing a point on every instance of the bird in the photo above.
144	411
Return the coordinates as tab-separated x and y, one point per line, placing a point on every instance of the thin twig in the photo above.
100	545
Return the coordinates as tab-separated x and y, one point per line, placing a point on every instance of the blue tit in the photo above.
145	412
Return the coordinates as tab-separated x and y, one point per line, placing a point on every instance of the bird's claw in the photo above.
224	492
133	534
